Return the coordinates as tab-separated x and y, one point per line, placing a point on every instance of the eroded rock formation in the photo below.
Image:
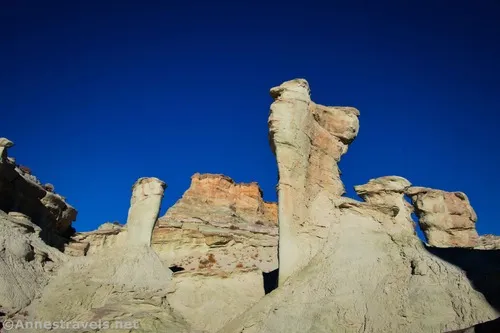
121	282
446	218
107	236
488	242
366	271
345	265
223	237
145	204
26	262
22	192
308	140
219	224
386	195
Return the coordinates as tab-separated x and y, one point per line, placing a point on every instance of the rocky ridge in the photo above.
340	259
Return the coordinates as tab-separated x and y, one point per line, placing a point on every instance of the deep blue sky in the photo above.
96	94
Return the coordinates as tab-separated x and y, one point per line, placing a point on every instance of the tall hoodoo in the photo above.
147	194
308	140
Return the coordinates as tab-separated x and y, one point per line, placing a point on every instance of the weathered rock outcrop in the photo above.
446	218
386	194
26	262
220	238
369	272
219	225
22	192
107	236
223	237
488	242
308	140
147	194
345	265
124	282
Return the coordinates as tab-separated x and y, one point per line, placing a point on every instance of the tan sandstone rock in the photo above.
308	140
107	236
26	262
124	282
386	194
220	219
366	271
147	194
446	218
22	192
488	242
222	237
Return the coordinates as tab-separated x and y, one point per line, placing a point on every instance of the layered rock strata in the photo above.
308	140
219	225
446	218
221	237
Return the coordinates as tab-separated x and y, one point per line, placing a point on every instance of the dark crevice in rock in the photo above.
176	268
270	280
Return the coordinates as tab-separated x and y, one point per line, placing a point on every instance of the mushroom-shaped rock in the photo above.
147	194
386	194
6	143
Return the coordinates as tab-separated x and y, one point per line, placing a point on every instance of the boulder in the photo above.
446	218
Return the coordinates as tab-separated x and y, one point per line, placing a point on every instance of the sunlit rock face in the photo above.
446	218
147	194
220	224
308	140
221	238
386	195
348	265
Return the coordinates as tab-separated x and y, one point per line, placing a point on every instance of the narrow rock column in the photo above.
308	140
147	194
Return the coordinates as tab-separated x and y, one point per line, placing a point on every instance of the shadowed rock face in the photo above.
22	192
446	218
308	140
